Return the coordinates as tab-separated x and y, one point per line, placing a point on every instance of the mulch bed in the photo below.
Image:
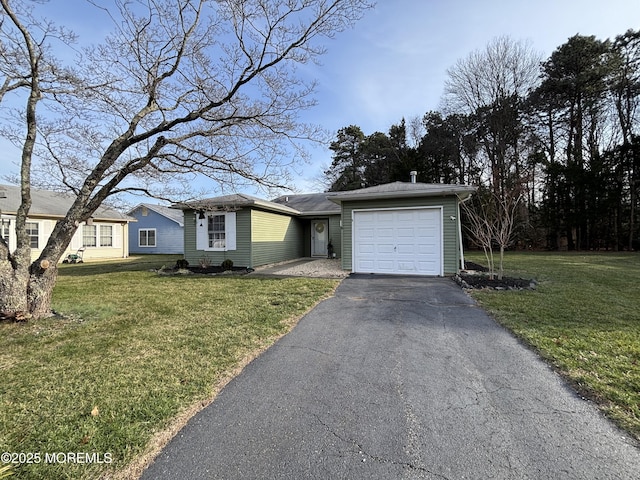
476	276
217	270
210	270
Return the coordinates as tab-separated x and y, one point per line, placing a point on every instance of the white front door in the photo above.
319	237
398	241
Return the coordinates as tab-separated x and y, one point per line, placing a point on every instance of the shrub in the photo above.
227	264
182	264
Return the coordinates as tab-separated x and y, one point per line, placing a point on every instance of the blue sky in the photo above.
393	63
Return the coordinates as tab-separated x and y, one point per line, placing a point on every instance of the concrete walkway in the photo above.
305	267
398	377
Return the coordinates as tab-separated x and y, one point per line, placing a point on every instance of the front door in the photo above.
319	237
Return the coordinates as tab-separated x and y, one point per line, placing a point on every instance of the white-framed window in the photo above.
147	237
32	231
4	233
97	235
106	236
89	236
216	231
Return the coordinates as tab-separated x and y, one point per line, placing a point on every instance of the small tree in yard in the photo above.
181	86
491	219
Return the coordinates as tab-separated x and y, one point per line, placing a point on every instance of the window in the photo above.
106	236
147	237
32	232
5	230
89	236
215	232
217	238
101	235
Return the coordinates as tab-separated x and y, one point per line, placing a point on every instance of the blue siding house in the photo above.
159	229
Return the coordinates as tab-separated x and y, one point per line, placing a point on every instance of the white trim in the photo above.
353	235
202	232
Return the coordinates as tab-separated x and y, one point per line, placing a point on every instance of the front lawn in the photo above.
584	318
133	352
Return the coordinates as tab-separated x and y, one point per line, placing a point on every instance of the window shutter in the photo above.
116	231
202	235
47	229
76	240
230	230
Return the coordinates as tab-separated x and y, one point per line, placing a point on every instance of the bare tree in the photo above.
489	85
492	219
179	86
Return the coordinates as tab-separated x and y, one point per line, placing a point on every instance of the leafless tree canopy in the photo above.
179	87
504	68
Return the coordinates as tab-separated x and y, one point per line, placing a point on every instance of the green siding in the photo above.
241	256
451	248
335	234
275	237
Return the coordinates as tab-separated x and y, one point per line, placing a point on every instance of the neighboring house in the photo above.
158	229
397	228
105	235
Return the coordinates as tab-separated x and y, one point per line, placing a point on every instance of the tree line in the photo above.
558	136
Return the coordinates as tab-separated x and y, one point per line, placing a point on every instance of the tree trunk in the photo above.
40	289
13	291
25	293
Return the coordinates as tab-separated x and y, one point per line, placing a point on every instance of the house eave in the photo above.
150	207
53	216
214	206
320	213
462	191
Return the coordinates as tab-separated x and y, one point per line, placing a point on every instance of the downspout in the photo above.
460	230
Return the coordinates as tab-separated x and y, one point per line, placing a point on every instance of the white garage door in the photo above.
398	241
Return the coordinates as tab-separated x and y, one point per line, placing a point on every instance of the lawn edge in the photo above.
161	439
605	407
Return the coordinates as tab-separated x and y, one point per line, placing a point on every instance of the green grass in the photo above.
134	351
584	318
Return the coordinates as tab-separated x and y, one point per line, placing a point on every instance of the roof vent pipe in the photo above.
413	174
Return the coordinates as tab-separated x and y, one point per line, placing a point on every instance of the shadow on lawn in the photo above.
131	264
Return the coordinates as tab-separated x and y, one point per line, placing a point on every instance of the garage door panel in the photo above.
406	232
427	266
366	248
406	267
407	249
384	232
404	241
407	216
384	248
383	216
386	266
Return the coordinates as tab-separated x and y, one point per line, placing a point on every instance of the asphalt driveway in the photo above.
398	377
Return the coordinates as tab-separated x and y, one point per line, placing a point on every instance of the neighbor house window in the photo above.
32	232
147	237
5	230
89	236
217	238
106	236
